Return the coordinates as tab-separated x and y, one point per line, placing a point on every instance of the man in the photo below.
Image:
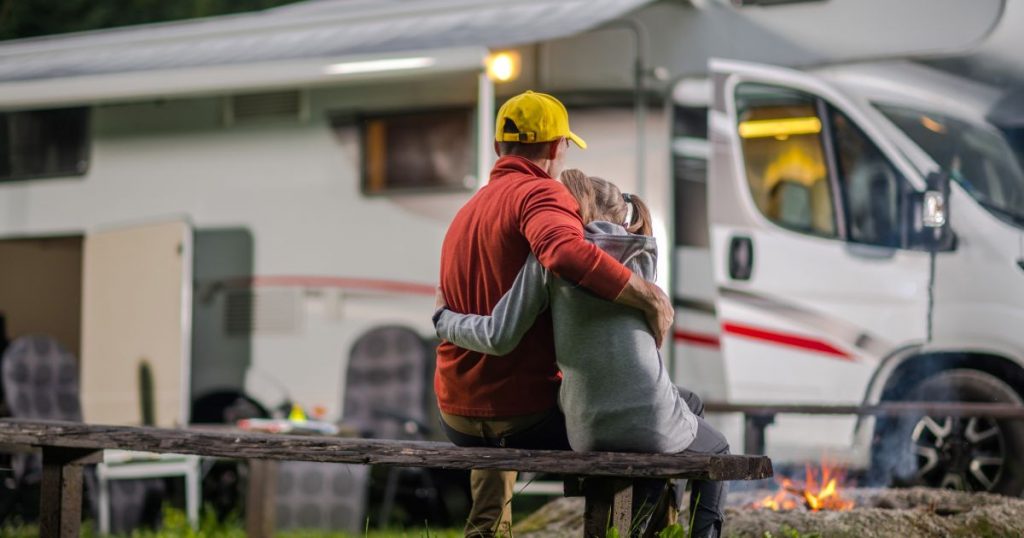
511	401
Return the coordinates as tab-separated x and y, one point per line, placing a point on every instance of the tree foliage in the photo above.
30	18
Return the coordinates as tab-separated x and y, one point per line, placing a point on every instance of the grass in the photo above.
175	525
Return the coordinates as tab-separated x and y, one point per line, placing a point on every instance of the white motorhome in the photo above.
235	201
827	286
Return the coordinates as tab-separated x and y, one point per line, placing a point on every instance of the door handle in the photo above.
741	258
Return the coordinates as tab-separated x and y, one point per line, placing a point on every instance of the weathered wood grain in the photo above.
609	504
60	508
260	510
381	452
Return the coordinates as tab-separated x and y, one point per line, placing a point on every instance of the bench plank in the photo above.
260	446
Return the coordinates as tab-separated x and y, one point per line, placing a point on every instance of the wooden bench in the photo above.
67	446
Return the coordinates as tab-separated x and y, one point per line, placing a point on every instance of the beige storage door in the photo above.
136	308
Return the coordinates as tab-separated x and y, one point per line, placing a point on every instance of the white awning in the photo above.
287	46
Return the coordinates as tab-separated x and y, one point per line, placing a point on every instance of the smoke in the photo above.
893	461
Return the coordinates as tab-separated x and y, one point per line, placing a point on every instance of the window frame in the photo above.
815	101
824	109
828	146
359	120
87	139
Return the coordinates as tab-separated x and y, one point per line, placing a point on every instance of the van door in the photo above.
814	285
136	319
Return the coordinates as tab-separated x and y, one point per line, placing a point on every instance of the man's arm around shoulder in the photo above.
550	222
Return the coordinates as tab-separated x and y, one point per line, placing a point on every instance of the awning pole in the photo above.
484	128
640	111
639	106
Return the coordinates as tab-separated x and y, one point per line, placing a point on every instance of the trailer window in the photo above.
785	160
419	151
690	170
44	143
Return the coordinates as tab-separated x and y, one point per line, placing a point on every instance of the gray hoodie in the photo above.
616	394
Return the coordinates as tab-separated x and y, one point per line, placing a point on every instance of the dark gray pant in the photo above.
707	498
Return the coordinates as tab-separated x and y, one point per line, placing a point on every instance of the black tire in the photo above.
970	453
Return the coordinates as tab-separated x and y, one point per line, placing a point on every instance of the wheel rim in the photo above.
959	453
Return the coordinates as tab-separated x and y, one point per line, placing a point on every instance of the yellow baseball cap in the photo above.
538	117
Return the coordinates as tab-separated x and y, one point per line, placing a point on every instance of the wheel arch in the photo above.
899	374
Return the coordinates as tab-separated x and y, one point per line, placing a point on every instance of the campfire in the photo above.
821	489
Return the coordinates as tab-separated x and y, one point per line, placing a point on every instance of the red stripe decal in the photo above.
790	340
333	282
688	337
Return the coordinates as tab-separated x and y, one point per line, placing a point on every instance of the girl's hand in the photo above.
439	301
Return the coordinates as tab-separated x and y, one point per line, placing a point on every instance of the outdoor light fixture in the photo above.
374	66
503	66
779	127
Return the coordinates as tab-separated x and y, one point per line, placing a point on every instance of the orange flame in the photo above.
816	494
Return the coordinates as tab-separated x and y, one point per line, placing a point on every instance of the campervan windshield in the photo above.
978	158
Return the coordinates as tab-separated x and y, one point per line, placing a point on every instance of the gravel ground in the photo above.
914	512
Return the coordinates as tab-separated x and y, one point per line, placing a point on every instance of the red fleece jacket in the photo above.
521	210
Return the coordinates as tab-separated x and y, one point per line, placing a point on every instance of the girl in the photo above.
616	394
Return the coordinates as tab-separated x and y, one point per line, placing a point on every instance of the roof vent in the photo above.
266	106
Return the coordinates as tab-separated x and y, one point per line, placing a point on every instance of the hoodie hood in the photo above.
639	253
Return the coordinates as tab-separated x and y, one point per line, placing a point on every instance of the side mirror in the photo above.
929	222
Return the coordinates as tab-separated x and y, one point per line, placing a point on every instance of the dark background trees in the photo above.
29	18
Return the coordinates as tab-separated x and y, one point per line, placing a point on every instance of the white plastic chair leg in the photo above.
192	493
104	499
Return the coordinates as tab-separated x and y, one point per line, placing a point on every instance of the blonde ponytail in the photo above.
640	217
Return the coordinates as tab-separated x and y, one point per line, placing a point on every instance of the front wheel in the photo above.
964	453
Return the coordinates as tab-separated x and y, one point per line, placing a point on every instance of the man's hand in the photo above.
661	317
439	301
649	298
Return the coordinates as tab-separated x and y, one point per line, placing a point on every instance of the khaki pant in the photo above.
491	514
492	491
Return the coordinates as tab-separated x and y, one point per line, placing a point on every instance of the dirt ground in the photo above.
912	513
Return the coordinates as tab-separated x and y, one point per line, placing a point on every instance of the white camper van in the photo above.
232	203
819	279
